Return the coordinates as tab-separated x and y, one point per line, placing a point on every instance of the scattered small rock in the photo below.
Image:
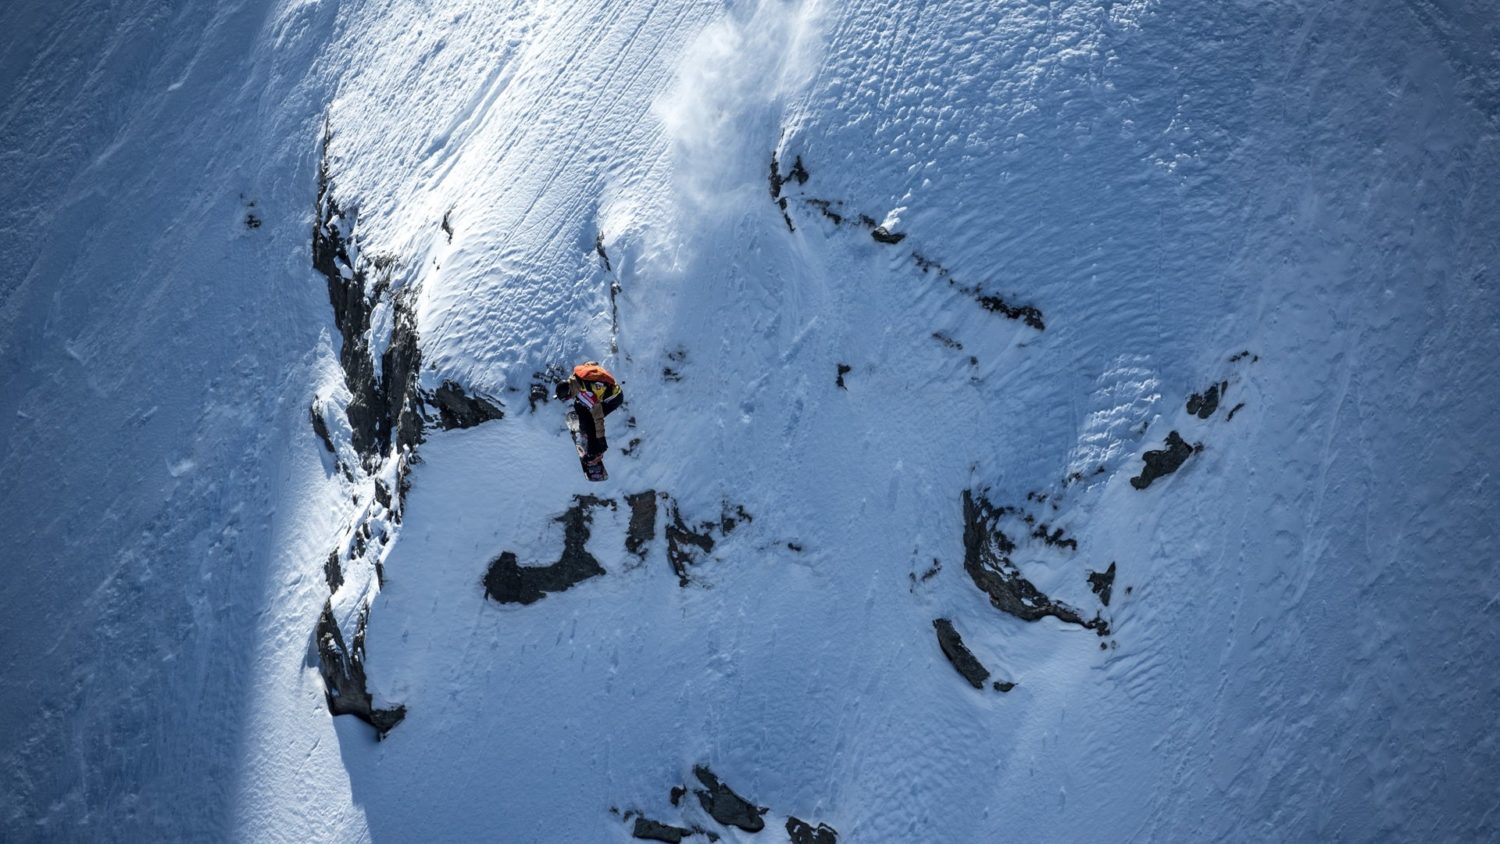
1233	411
1001	686
839	381
884	235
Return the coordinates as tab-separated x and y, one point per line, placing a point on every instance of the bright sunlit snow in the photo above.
1044	421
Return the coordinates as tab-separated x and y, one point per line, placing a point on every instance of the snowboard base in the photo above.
593	470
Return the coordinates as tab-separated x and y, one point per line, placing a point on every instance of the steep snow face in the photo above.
1038	418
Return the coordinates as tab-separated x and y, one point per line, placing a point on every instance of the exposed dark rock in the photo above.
537	394
402	364
1103	583
839	381
1233	411
724	805
448	224
731	518
802	832
1205	403
798	174
642	529
959	654
930	573
252	222
826	208
1165	461
1239	356
683	538
680	538
649	830
599	249
992	303
457	409
884	235
332	572
995	304
376	408
677	792
343	671
320	427
1053	538
987	561
947	341
509	582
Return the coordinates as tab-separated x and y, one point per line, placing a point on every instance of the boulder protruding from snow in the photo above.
724	805
1165	461
1103	583
959	654
649	830
1203	405
802	832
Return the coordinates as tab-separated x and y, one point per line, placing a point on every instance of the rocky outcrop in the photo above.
1103	583
987	561
375	450
342	667
724	805
964	661
508	582
457	409
1165	461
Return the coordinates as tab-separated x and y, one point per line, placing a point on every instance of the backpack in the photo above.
593	372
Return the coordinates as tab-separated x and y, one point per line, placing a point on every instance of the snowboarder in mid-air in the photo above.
595	395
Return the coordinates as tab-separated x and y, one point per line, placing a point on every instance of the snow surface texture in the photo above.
908	300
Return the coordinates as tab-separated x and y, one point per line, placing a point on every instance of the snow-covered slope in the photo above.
1057	421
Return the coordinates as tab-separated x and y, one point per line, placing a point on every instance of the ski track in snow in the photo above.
1303	612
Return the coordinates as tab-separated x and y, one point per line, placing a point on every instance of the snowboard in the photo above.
594	470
